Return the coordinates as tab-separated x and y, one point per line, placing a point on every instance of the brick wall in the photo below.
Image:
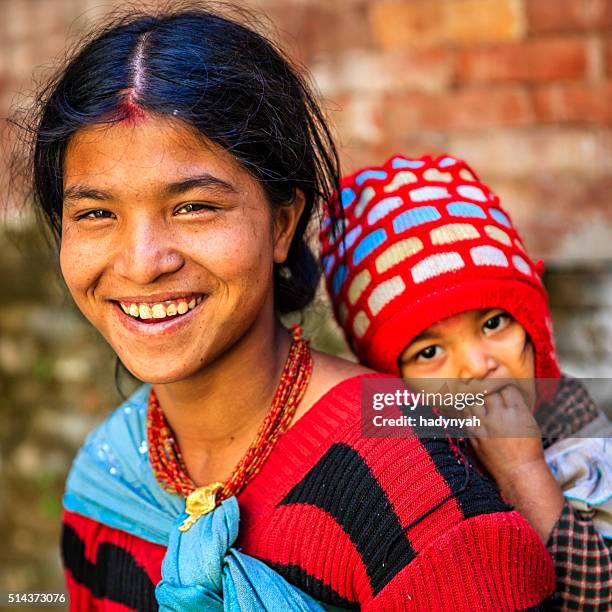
522	88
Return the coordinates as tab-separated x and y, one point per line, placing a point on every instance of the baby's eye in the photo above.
430	352
499	321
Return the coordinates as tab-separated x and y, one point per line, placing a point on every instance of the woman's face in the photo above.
167	245
471	348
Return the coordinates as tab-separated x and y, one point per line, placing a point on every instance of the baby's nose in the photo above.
475	361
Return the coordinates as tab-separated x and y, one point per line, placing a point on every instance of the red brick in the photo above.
311	31
574	102
434	21
339	27
471	109
546	16
608	57
538	60
406	24
484	20
596	67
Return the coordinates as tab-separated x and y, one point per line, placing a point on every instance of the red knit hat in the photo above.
422	240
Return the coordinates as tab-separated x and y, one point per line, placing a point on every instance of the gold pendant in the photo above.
200	502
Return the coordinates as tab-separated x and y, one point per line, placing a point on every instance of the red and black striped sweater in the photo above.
355	522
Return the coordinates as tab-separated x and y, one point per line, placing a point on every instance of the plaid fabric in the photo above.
571	409
582	558
583	563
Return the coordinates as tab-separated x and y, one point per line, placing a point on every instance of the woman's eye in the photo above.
497	322
99	213
192	207
429	352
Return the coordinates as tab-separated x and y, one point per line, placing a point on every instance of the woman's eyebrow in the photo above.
199	181
207	181
81	192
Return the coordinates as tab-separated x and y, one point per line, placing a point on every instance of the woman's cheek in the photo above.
74	264
82	265
239	254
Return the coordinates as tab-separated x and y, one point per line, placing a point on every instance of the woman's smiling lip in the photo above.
154	326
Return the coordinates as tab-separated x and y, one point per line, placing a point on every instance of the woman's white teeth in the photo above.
160	311
144	311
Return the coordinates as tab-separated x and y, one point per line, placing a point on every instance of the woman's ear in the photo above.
286	218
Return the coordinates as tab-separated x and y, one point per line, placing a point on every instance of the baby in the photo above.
429	279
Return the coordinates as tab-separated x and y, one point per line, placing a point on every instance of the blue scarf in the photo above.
111	481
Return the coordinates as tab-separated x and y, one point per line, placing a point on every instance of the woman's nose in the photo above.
146	252
476	361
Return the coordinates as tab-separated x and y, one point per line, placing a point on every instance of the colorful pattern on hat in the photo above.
421	240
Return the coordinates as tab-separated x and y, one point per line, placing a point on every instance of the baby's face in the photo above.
473	346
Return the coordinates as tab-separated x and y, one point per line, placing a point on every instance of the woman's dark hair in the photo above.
230	83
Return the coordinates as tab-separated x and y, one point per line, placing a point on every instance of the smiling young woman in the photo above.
181	237
179	159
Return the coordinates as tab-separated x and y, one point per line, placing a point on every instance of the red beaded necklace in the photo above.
165	455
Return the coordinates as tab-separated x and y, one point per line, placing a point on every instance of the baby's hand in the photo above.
517	463
506	414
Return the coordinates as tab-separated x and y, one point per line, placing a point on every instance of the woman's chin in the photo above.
157	373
